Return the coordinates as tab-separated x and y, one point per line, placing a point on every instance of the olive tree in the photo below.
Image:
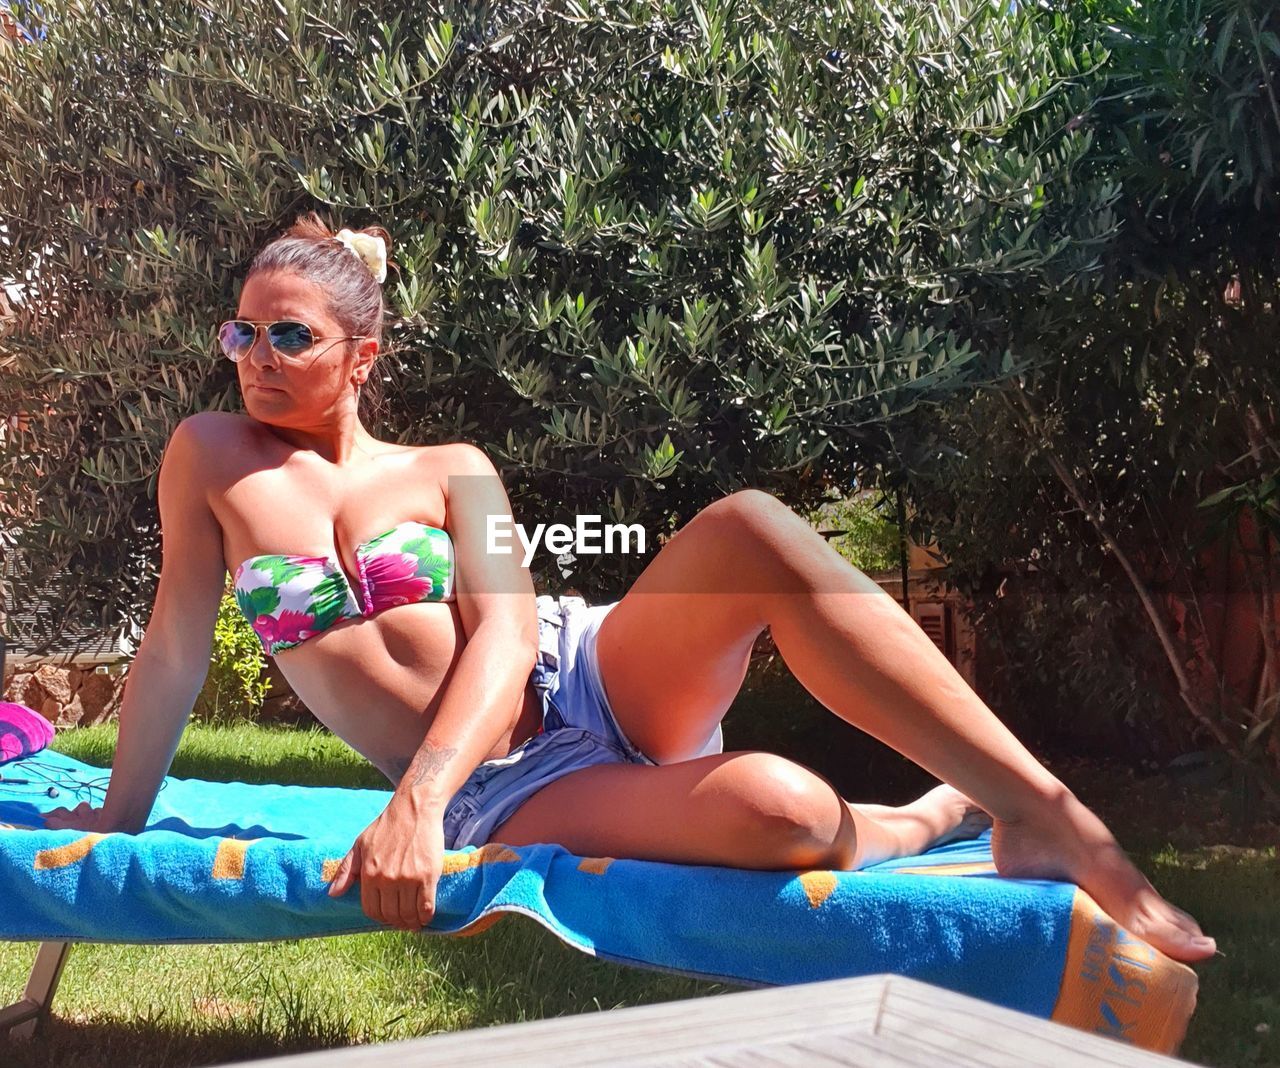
650	253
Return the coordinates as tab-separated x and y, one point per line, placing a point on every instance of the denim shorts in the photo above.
578	726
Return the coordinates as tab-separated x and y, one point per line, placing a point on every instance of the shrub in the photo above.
235	687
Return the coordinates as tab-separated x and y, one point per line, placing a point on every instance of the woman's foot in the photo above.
1068	843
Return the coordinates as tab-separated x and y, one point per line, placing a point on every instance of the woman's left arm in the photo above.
397	858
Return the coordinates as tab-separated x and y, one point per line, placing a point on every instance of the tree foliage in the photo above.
870	540
1156	394
652	252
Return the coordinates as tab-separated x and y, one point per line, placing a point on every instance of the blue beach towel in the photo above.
229	862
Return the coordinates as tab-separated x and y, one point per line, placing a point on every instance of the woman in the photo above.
363	567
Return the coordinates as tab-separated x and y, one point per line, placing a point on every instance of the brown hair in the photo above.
353	296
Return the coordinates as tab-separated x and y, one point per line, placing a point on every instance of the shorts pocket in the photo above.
462	807
550	624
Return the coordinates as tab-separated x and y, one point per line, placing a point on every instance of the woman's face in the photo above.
313	386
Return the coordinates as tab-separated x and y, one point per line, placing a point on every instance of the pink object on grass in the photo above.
23	731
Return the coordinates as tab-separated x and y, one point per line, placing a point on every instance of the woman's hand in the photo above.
84	817
397	860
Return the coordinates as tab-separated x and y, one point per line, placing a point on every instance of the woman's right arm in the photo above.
172	660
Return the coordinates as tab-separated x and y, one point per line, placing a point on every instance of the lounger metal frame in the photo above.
24	1017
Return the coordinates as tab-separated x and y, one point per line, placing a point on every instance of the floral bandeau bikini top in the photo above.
288	598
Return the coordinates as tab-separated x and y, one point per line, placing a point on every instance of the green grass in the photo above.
180	1005
244	751
209	1004
1235	894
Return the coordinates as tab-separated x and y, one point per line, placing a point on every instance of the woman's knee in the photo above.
756	530
796	808
754	512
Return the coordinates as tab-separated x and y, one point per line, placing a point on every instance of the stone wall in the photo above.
69	696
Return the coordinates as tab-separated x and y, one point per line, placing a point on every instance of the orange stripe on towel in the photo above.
454	861
1117	985
482	924
490	853
228	861
818	886
71	853
595	865
977	867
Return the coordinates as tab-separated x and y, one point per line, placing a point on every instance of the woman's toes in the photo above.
1099	866
1160	924
1180	944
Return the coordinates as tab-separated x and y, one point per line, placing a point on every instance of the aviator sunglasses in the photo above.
288	337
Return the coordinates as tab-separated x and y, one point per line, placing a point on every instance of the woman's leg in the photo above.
740	810
674	651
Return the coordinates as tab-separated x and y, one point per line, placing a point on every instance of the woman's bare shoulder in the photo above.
451	465
461	458
217	426
220	439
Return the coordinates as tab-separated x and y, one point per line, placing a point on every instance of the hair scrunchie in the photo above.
371	249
